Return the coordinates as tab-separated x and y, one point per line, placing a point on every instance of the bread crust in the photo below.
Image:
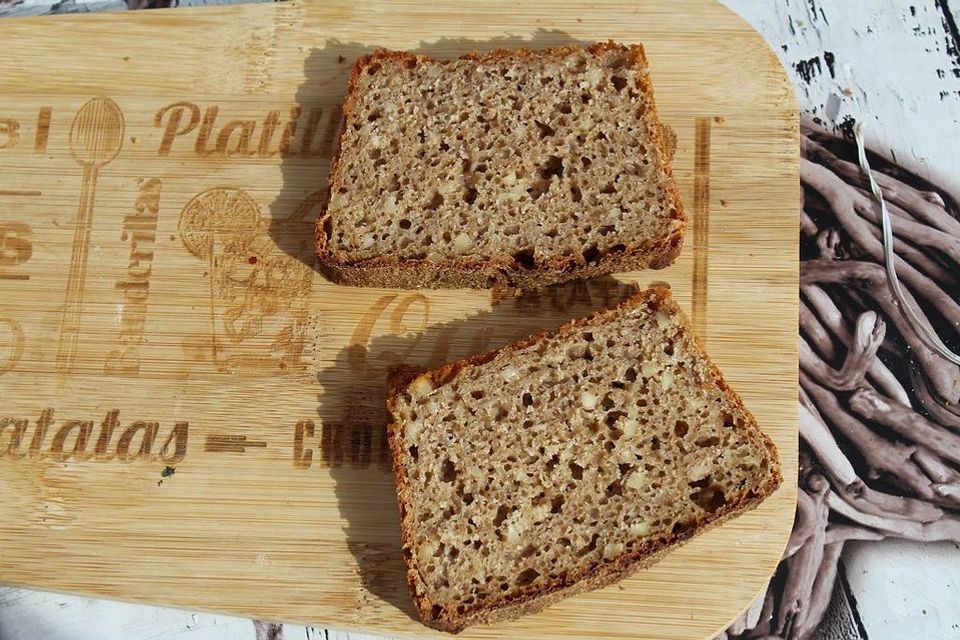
536	599
503	271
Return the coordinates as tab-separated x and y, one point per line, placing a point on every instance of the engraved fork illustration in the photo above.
96	137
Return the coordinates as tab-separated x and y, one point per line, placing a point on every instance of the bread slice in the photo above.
515	168
565	462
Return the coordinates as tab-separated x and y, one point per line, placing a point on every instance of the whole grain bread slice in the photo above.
566	461
510	169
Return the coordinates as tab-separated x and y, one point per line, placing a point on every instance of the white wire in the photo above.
926	332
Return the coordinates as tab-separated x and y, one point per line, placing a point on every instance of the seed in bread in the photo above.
564	462
514	168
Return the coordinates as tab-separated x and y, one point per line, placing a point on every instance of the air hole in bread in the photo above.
701	483
607	403
553	167
576	195
680	428
545	130
435	201
576	471
525	259
618	62
527	577
553	462
709	498
707	442
448	471
556	504
619	82
591	254
613	417
590	546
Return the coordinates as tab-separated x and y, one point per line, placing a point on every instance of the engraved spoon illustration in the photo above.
96	137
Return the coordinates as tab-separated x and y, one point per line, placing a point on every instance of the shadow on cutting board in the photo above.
351	405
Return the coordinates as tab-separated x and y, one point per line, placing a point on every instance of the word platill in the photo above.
277	133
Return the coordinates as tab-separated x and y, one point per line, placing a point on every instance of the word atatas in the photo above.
75	439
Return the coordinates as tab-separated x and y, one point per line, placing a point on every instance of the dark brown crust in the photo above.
592	578
389	271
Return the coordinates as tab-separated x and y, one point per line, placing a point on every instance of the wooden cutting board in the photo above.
191	415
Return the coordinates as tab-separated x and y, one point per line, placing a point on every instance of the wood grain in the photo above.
215	437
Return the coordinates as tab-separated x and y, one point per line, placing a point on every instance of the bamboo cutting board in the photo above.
191	415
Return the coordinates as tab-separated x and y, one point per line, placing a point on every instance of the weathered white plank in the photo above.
899	60
906	589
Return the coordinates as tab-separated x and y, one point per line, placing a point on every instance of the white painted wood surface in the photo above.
906	590
893	58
